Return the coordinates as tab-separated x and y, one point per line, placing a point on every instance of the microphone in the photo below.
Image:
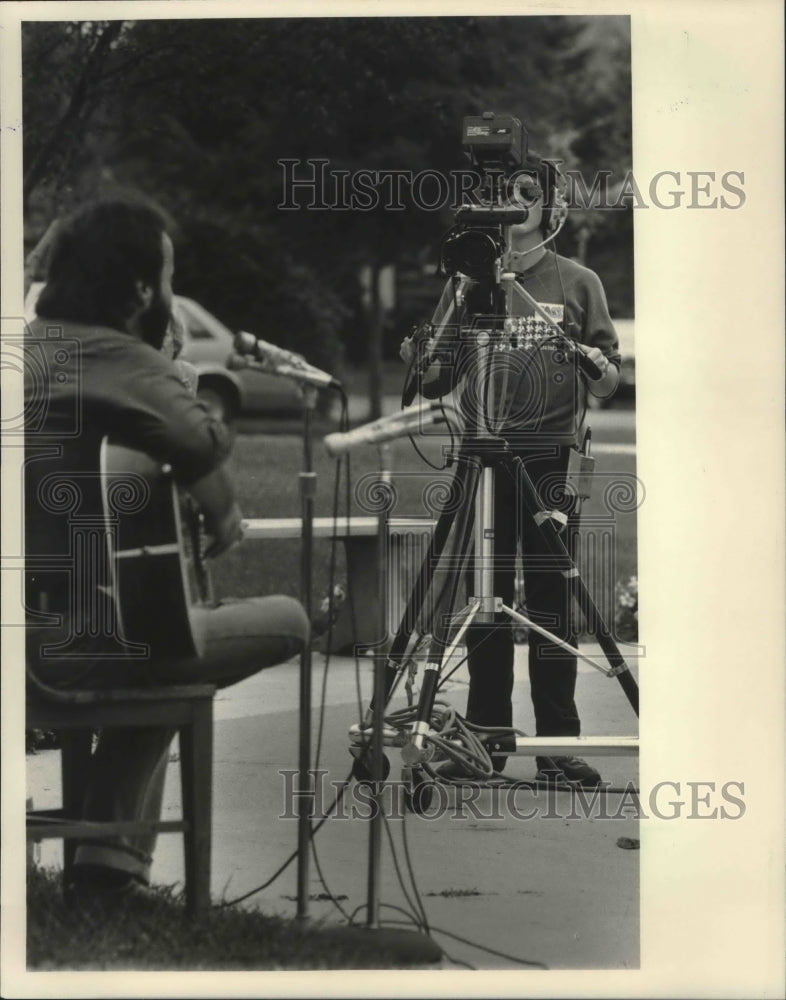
252	352
385	429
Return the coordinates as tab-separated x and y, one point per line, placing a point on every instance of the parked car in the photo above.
208	346
626	388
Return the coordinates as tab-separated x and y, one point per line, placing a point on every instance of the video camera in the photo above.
494	142
497	146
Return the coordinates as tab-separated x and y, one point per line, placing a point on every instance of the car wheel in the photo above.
218	404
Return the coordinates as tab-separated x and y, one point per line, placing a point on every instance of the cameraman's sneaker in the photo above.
566	770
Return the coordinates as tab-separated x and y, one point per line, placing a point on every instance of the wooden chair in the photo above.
76	714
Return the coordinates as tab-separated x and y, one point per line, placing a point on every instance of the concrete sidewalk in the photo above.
523	873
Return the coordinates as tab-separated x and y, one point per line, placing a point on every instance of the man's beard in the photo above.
153	322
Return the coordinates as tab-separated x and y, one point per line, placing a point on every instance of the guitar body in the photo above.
154	541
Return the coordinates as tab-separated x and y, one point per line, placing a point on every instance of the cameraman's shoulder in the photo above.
581	278
573	268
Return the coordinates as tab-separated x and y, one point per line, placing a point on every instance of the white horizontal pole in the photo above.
569	746
324	527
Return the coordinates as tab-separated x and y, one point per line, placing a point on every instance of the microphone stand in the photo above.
308	488
377	737
410	946
305	795
407	945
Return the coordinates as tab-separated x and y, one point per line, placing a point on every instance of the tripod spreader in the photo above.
473	490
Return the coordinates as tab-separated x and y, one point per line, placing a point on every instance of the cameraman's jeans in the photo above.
552	672
128	766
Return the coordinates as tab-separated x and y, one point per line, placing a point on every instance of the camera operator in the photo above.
540	403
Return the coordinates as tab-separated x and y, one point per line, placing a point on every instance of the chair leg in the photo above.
76	747
196	779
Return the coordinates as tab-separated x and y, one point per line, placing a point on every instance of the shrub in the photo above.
626	616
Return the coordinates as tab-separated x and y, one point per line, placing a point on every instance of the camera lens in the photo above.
471	252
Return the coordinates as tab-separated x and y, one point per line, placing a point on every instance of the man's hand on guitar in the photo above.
215	497
226	533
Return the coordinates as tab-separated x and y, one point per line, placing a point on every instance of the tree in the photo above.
197	115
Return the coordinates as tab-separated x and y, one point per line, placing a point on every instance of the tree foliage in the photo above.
196	114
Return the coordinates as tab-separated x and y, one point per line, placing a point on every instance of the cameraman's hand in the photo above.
604	384
408	350
409	347
598	357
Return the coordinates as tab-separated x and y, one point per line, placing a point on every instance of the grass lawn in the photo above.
154	935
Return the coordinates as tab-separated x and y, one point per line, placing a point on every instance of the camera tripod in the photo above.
465	529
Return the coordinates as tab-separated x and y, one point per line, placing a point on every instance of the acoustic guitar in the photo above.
156	541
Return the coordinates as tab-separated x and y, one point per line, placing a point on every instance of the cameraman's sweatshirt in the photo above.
532	392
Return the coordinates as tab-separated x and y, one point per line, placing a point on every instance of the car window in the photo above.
199	323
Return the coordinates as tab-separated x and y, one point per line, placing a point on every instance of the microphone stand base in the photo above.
405	946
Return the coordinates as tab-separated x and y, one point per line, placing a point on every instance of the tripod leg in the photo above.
565	565
441	633
464	485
